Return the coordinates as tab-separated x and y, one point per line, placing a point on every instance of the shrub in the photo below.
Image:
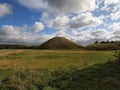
117	55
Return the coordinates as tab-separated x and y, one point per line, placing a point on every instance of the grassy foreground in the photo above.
58	70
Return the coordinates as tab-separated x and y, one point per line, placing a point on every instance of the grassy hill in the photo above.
59	43
105	46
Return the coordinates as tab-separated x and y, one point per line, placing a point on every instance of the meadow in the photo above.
58	70
51	59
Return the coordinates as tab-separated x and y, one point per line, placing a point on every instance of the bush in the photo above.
117	55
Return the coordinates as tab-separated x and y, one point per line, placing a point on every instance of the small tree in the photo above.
103	42
112	42
107	41
96	42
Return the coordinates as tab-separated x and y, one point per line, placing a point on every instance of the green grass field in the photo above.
58	70
51	59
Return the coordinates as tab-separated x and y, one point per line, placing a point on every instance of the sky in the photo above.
36	21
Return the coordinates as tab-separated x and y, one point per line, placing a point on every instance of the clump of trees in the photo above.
104	45
2	46
104	42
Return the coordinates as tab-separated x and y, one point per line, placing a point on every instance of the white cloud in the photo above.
62	33
61	6
56	12
108	2
84	19
71	6
90	36
116	35
10	34
101	35
60	22
115	16
76	22
34	4
45	15
114	26
101	17
5	9
15	35
115	11
46	19
38	26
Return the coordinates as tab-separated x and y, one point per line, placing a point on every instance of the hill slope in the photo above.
105	46
59	43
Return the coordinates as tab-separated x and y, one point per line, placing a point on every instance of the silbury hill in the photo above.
59	43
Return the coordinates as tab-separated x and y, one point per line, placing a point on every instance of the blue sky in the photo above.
20	15
36	21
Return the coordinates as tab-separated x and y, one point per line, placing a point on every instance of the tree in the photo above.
96	42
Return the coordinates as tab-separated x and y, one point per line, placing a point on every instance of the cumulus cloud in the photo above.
83	19
61	6
61	9
109	2
60	22
114	8
46	19
116	35
63	33
15	35
38	26
5	9
115	31
109	6
76	22
90	36
71	6
115	16
10	34
114	26
9	30
34	4
101	35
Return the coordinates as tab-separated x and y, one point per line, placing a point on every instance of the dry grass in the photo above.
4	53
51	59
